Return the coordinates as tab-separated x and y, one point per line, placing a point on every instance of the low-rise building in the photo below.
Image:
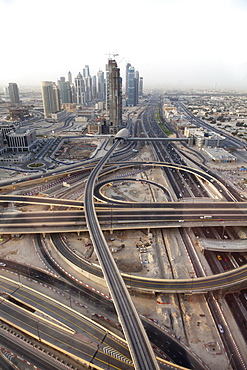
21	140
219	155
204	138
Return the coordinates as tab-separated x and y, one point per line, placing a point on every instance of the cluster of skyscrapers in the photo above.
87	90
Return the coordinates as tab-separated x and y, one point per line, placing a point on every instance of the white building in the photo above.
21	140
219	155
204	138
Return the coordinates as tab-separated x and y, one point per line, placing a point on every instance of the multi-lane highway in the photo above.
141	351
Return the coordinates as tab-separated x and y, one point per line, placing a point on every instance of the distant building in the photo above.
94	129
94	87
86	72
65	91
203	138
6	91
128	65
114	96
51	98
101	85
17	112
14	93
79	90
219	155
141	87
21	140
59	116
132	87
70	77
69	107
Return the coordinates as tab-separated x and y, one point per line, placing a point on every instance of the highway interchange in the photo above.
179	171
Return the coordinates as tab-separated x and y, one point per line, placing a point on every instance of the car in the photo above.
2	264
221	329
180	220
219	257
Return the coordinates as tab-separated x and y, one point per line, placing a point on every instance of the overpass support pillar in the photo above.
78	233
51	206
111	231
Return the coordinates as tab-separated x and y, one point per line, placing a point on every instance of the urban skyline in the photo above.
175	44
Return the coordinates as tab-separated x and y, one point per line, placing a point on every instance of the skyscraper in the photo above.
79	89
14	93
141	87
94	87
88	89
131	87
51	98
128	65
114	96
86	72
70	77
101	85
65	91
136	87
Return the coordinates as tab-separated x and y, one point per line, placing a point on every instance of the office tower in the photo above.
88	89
94	87
136	87
131	87
65	91
101	85
128	65
51	98
14	93
114	96
79	89
62	79
86	71
141	87
70	77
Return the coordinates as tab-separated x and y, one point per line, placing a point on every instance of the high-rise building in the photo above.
51	98
101	85
128	65
70	77
141	87
114	96
65	91
131	87
88	89
86	72
94	87
79	89
137	87
14	93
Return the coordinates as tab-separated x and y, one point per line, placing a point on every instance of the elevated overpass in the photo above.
140	348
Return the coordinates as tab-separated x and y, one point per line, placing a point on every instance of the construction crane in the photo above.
114	55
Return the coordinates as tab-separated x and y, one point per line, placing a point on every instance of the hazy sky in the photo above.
172	43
